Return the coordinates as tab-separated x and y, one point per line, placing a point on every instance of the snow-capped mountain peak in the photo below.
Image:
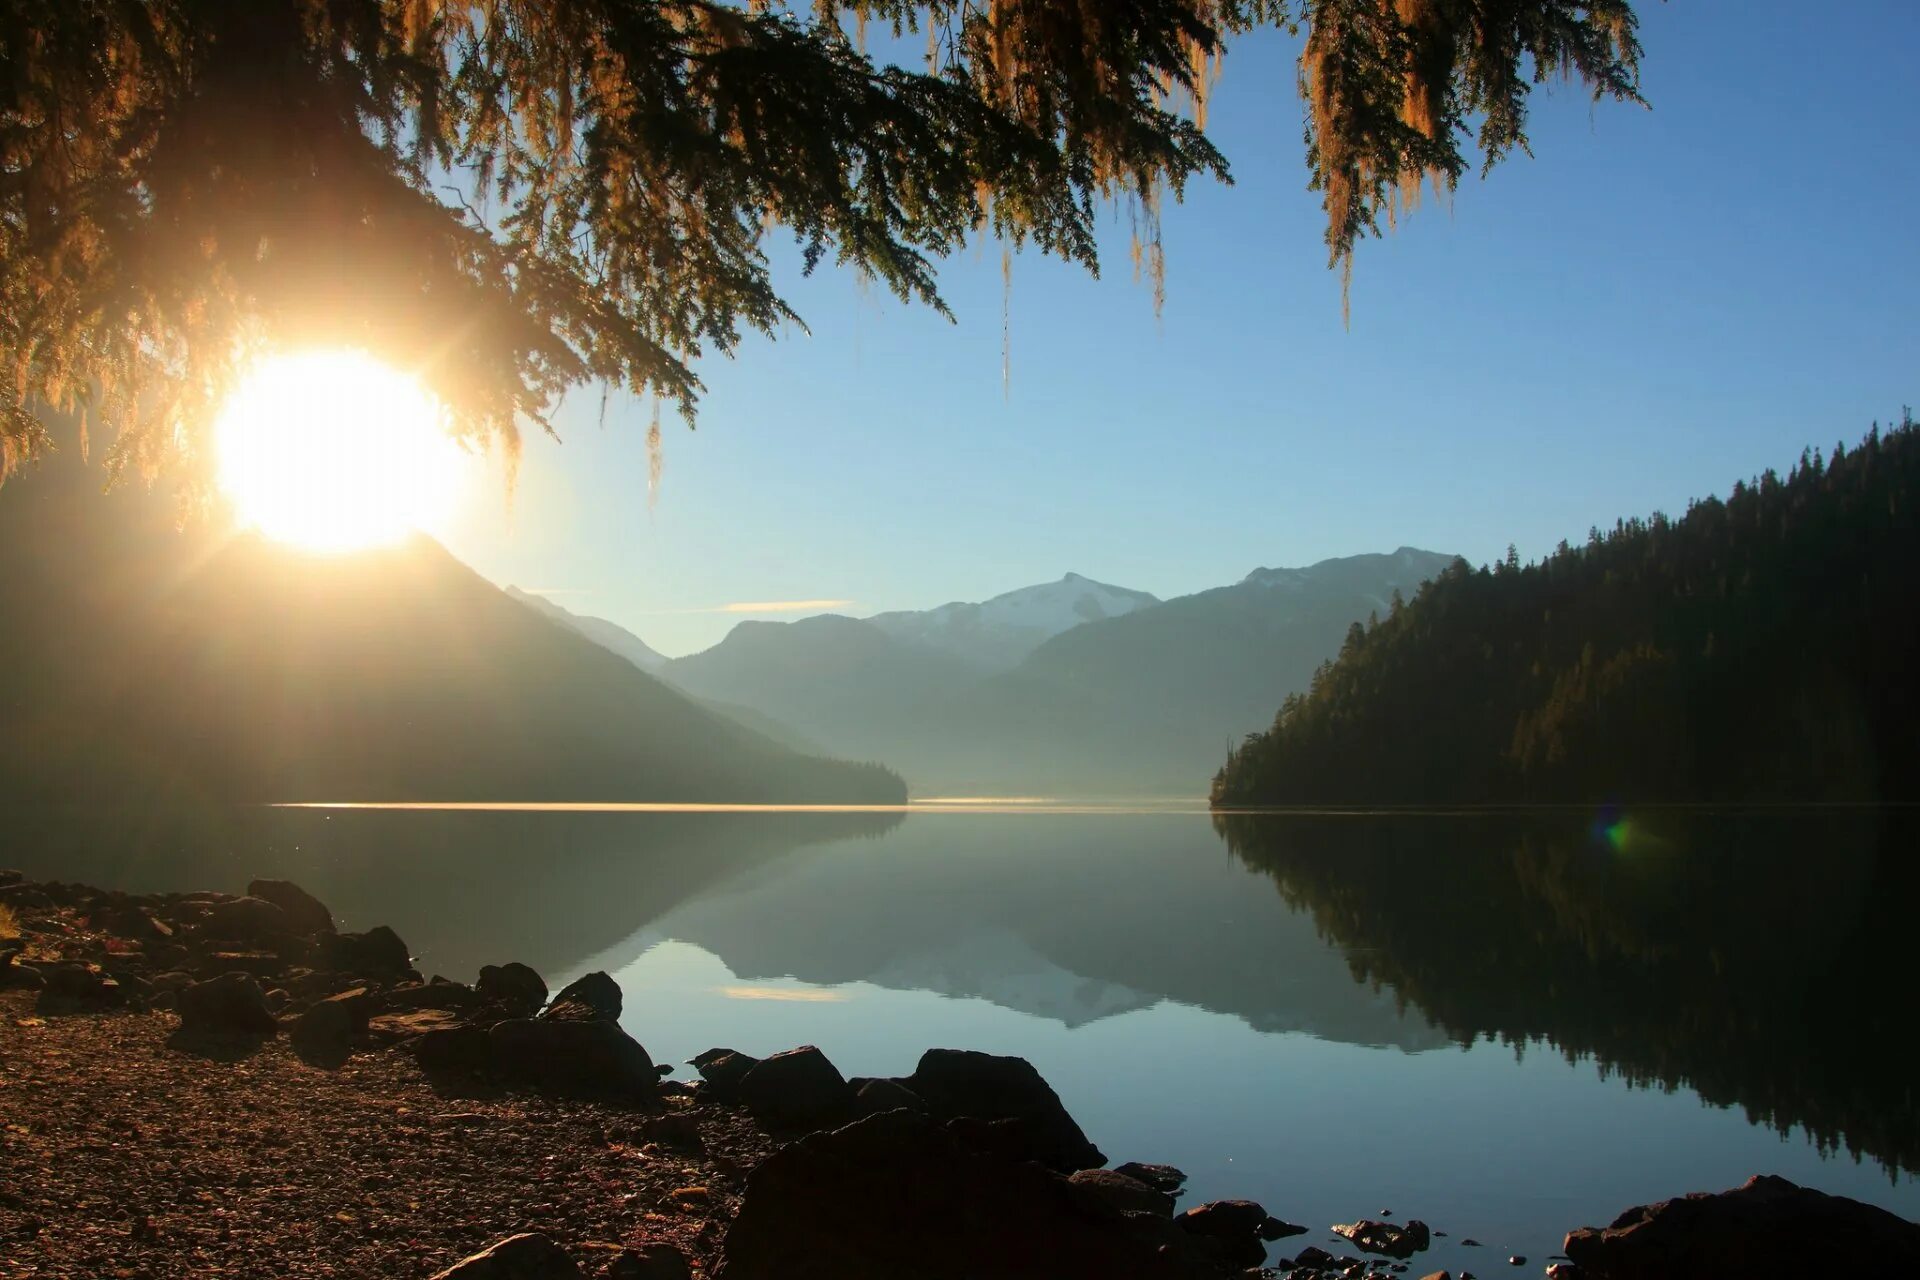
996	634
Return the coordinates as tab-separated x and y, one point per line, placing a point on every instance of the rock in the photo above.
466	1049
232	1003
1565	1271
247	920
1517	1260
1313	1258
799	1088
873	1096
649	1262
677	1130
26	896
1129	1195
513	986
896	1195
21	977
588	1058
1280	1229
962	1082
377	951
306	914
1437	1275
70	984
1230	1228
136	923
1387	1238
10	878
259	963
593	998
334	1023
451	996
723	1070
522	1257
1161	1177
1767	1228
394	1028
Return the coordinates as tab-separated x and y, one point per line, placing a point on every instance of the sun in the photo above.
334	451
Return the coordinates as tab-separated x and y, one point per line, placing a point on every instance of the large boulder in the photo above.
74	984
1128	1195
379	951
24	977
896	1194
1161	1177
1228	1229
247	920
723	1070
331	1025
593	998
984	1086
306	914
799	1088
513	986
465	1049
1766	1229
231	1004
870	1097
522	1257
596	1059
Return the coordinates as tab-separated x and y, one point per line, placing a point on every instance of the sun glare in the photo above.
334	451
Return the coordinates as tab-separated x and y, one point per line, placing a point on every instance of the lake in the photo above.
1505	1025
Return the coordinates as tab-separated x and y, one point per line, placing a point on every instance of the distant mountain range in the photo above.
1069	686
996	634
144	662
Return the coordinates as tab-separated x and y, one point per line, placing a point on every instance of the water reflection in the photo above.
1764	960
464	888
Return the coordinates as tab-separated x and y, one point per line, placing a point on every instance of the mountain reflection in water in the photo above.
1762	960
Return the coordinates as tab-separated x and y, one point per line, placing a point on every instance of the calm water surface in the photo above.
1505	1026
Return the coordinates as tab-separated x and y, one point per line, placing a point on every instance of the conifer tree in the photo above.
516	197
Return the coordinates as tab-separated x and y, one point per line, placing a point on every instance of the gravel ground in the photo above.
123	1156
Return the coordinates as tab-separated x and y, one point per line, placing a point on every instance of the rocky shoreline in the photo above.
210	1084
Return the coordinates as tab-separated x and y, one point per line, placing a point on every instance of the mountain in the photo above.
852	686
610	636
1147	699
1143	700
994	635
1756	649
617	640
143	661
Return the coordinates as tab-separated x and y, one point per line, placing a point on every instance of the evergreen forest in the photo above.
1758	648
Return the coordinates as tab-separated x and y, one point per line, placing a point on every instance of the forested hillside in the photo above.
1758	648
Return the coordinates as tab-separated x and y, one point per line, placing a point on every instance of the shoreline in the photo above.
206	1084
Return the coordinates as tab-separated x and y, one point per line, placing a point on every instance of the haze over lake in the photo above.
1506	1026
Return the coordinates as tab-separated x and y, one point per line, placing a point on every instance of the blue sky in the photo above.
1658	303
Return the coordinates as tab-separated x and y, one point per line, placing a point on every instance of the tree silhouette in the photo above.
1755	649
520	196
